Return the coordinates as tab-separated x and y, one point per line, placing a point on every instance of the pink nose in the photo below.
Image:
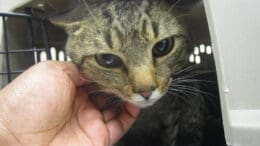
147	92
146	95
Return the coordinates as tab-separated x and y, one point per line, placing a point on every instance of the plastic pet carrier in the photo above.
226	36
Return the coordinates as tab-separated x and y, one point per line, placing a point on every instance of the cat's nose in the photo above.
147	94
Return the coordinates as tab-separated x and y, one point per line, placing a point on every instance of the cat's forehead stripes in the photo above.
149	29
124	25
155	26
107	36
114	36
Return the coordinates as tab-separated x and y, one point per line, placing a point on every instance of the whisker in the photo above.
193	90
177	80
179	16
189	68
189	95
90	12
192	75
174	5
177	94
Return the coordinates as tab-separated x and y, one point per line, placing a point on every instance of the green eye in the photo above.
108	60
163	47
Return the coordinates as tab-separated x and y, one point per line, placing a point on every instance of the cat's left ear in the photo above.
70	20
63	12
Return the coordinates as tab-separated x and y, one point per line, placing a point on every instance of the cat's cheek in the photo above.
164	81
164	89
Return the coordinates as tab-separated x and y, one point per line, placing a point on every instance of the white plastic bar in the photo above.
234	27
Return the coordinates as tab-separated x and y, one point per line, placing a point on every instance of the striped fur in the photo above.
129	29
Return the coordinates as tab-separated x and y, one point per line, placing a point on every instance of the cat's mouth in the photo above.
143	102
139	99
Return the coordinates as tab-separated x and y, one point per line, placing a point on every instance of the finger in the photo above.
91	122
111	113
108	115
87	108
119	126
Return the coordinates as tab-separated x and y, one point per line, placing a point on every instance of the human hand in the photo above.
47	105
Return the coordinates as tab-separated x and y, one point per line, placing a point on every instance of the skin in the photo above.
48	105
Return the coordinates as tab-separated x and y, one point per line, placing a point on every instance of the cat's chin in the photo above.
141	102
144	104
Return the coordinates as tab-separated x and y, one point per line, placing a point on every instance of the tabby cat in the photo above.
134	49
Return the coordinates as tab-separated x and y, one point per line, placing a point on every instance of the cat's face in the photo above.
130	48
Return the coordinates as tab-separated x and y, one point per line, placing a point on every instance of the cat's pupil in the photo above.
163	47
108	60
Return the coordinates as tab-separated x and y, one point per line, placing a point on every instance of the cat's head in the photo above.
130	48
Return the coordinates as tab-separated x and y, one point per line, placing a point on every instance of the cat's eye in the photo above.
163	47
108	60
